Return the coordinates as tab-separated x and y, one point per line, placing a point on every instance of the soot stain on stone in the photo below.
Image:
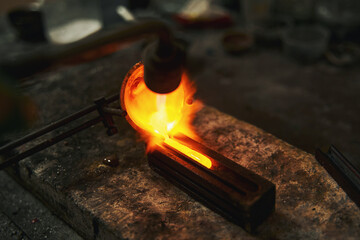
131	161
341	218
305	187
150	224
172	217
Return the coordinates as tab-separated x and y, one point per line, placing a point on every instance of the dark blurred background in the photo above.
289	67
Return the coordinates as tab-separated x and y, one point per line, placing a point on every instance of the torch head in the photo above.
163	66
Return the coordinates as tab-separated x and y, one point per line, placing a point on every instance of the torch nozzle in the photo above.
163	66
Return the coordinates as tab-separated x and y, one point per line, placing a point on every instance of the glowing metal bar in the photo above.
196	156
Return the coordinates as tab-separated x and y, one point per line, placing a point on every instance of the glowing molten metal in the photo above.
159	117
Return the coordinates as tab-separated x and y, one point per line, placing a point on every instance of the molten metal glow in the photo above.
200	158
158	117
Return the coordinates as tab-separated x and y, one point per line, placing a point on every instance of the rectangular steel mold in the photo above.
227	188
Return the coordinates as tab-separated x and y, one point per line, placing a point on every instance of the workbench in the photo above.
131	201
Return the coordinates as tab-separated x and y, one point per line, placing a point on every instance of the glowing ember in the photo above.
158	117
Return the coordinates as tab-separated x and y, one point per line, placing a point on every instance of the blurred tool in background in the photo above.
16	110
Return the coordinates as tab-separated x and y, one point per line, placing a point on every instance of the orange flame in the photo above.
158	117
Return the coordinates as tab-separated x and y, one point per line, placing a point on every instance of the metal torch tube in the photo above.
53	53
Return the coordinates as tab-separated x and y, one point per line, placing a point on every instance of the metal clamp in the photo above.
105	116
107	119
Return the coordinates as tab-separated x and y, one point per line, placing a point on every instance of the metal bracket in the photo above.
105	116
107	119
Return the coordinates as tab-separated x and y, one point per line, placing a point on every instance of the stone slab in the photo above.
22	216
132	202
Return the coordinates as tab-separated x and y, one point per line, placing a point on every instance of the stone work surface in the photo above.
22	216
130	201
309	203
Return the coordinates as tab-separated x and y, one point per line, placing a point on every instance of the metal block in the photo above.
227	188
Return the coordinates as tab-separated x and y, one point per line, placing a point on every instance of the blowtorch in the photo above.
163	59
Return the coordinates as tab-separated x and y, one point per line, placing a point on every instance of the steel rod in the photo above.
115	111
55	125
50	142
